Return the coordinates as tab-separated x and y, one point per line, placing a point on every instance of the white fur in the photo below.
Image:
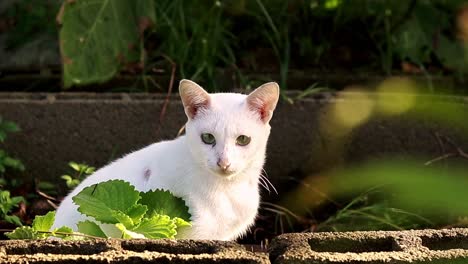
223	205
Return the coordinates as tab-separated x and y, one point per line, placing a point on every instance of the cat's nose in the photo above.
223	164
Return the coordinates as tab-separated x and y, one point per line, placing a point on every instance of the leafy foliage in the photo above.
425	34
81	171
199	37
99	37
40	229
154	214
7	204
116	202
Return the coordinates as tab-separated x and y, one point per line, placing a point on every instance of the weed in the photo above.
79	172
7	204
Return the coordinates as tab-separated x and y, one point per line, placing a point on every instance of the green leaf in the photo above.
59	232
24	232
127	234
161	202
136	213
75	166
16	200
89	170
45	222
9	126
158	226
98	37
2	136
66	177
46	186
13	163
100	200
122	218
90	228
13	219
181	222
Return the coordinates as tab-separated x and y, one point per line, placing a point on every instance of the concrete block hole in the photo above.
171	247
343	245
58	247
445	243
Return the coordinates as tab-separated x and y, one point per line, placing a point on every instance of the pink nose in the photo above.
223	164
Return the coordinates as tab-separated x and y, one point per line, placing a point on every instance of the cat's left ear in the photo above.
263	100
193	97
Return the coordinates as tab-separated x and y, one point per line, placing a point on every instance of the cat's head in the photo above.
228	132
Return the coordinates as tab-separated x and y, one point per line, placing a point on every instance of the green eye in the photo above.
242	140
208	138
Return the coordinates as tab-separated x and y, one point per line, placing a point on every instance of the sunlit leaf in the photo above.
24	232
162	202
44	222
158	226
90	228
100	201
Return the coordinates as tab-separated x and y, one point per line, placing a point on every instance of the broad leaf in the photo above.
45	222
24	232
90	228
98	37
162	202
99	201
158	226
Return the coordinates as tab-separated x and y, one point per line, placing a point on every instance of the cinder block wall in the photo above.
96	128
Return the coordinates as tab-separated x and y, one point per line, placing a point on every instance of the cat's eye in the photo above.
208	138
243	140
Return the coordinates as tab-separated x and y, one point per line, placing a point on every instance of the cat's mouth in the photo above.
224	173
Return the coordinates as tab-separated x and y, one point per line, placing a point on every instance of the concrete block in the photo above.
126	251
412	246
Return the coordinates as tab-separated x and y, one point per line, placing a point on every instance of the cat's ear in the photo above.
263	100
193	97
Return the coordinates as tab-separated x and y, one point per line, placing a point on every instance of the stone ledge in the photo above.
413	246
126	251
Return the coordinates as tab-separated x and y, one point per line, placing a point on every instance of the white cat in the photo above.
215	167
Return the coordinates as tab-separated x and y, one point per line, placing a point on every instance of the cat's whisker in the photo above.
264	184
268	181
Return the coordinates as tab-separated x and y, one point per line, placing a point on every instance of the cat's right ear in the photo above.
194	98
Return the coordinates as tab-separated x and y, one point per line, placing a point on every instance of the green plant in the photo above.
278	36
132	214
80	172
428	33
6	160
7	204
365	213
196	36
40	229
